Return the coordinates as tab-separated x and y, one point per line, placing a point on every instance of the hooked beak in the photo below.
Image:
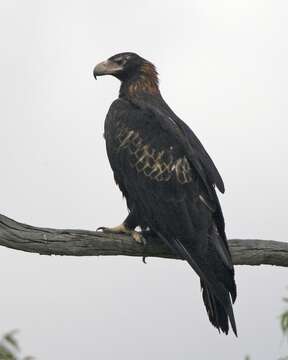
107	67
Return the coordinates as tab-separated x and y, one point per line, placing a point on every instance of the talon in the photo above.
101	228
138	237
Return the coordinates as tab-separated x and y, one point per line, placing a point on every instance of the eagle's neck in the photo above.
143	81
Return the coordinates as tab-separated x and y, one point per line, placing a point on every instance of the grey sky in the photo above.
223	69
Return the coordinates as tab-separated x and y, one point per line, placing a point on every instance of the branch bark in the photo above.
69	242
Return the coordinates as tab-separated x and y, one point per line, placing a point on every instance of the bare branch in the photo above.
47	241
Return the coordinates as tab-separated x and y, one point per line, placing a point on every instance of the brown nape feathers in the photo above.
146	81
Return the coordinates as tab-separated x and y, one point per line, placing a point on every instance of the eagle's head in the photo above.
131	69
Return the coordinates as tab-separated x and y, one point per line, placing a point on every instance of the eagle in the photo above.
168	180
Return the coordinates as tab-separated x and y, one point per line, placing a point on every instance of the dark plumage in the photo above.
168	180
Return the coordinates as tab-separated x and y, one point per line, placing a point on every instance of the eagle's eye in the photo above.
119	61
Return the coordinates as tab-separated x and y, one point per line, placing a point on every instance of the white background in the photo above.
223	69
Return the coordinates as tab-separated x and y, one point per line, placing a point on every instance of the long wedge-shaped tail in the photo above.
217	313
217	282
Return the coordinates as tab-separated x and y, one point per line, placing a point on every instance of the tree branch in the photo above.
47	241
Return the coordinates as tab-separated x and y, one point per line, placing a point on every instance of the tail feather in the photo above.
217	282
217	314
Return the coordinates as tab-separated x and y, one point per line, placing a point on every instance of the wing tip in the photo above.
220	186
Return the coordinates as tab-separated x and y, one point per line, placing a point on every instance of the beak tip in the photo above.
95	74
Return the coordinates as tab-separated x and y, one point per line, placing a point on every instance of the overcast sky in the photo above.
223	69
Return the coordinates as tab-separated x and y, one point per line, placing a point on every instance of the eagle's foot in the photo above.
122	229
